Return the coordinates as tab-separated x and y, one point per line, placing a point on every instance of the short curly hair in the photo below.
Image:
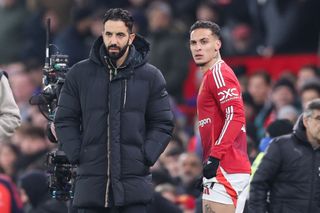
118	14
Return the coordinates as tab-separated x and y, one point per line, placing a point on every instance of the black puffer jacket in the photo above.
115	130
290	171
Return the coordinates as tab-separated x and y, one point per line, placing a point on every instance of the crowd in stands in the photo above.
251	27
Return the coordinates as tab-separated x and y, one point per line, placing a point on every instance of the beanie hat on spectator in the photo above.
35	185
279	127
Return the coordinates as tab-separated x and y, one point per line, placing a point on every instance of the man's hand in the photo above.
210	169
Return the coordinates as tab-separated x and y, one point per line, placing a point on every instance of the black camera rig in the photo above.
61	173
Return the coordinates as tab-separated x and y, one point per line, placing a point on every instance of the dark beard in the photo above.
115	56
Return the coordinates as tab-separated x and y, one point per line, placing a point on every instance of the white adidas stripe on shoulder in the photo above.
217	75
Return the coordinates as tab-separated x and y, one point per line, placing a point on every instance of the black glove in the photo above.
210	169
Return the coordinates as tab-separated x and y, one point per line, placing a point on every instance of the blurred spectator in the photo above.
35	118
289	171
187	203
9	154
242	41
288	112
283	94
9	111
35	33
74	41
259	87
12	16
309	91
207	11
168	48
37	199
160	204
190	170
290	26
22	88
10	201
170	162
34	147
167	191
306	73
275	129
250	113
252	149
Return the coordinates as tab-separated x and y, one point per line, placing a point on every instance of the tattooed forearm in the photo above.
208	209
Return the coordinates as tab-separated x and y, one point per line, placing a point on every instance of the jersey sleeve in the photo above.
226	91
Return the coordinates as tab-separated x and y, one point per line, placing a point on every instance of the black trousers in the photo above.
138	208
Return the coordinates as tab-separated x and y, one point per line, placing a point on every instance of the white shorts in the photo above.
227	189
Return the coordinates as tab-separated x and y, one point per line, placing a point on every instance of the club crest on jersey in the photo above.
227	95
203	122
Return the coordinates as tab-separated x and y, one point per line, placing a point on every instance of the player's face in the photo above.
204	46
116	38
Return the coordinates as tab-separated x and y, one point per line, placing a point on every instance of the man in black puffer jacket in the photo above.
114	120
290	170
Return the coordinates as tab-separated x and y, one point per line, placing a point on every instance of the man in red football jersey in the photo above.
221	124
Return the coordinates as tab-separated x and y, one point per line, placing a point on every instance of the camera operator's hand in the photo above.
210	169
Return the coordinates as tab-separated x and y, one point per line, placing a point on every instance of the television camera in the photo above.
61	173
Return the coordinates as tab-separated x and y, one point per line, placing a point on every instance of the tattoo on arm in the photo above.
208	209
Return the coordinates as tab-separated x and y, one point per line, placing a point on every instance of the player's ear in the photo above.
217	45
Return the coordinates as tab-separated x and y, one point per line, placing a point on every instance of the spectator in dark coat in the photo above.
35	194
114	120
73	41
287	180
169	49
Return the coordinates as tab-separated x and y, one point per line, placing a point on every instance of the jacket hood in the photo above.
299	130
137	56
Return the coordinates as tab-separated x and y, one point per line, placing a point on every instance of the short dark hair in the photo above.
311	106
264	75
311	67
311	85
215	29
118	14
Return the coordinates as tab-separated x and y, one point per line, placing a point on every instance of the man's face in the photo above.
304	75
259	89
282	96
308	95
204	46
312	125
190	168
116	38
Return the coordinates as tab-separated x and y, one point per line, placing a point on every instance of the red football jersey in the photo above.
222	120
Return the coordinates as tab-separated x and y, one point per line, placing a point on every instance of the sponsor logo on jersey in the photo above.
228	94
204	122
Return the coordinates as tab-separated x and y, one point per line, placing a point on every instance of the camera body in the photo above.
61	173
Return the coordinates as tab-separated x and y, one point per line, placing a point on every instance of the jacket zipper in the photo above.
125	93
108	145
